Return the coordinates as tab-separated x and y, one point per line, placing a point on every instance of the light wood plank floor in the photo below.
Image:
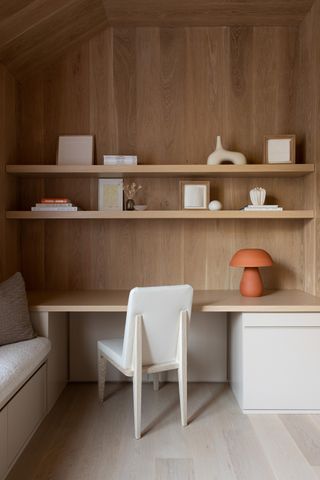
81	439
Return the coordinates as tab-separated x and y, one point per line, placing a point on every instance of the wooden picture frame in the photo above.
110	194
279	149
75	150
194	195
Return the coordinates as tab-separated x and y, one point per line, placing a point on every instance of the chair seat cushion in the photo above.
18	361
112	349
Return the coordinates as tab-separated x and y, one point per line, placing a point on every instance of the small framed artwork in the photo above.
194	195
110	194
279	149
75	150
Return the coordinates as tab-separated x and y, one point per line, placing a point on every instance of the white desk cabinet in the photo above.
274	361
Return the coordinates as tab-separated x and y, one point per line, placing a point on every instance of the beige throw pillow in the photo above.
15	324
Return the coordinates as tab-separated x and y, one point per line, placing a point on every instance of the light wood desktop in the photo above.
278	322
203	301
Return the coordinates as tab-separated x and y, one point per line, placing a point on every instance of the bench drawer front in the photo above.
25	411
3	441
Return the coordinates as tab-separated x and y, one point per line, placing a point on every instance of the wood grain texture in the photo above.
35	33
40	32
203	301
174	469
165	94
220	442
9	232
204	13
307	127
162	170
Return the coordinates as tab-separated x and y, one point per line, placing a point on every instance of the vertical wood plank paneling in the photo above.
307	123
164	94
150	117
103	114
238	106
204	91
273	84
125	89
174	98
9	232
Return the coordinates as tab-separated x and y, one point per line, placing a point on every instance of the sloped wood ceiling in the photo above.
34	33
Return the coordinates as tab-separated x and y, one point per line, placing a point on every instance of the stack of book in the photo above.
54	205
120	160
268	208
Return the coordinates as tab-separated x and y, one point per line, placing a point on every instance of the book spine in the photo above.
246	209
54	200
54	204
54	209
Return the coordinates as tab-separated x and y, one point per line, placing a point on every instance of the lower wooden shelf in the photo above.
159	214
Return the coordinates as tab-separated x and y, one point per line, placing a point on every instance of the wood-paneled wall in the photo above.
307	128
9	231
164	94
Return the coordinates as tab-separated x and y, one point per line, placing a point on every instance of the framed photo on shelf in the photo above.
194	195
75	150
279	149
110	194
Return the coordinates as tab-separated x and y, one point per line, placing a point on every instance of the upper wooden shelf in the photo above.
160	214
203	301
249	170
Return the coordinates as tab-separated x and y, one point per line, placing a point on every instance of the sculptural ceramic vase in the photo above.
221	155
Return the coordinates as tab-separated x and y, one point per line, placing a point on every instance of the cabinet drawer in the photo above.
25	411
3	441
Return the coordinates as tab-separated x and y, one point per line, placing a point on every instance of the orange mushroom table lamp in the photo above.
251	259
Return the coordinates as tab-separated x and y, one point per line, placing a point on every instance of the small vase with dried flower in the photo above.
130	190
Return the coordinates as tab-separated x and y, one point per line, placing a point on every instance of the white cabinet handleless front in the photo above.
274	361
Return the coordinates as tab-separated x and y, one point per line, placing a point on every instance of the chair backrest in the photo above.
160	308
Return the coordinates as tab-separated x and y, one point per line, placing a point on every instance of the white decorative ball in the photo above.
215	205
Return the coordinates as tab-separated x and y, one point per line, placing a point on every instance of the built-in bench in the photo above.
23	396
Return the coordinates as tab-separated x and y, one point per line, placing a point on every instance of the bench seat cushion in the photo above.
18	361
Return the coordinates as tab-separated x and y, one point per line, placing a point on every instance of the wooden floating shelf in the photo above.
249	170
160	214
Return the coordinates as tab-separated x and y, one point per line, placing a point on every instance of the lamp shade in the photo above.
251	257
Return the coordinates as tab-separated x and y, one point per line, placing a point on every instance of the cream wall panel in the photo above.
207	345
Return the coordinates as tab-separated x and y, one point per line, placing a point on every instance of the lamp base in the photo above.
251	283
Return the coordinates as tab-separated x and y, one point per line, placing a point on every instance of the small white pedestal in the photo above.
274	362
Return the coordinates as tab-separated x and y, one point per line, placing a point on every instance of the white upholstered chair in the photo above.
155	340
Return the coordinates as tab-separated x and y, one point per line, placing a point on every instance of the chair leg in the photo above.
137	376
156	382
183	393
137	384
102	370
182	370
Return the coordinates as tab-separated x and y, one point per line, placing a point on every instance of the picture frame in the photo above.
75	150
110	194
194	195
279	149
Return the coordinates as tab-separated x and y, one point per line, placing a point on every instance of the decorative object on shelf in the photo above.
130	190
221	155
251	259
120	160
262	208
215	205
110	194
140	208
257	195
194	195
54	205
75	150
279	149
